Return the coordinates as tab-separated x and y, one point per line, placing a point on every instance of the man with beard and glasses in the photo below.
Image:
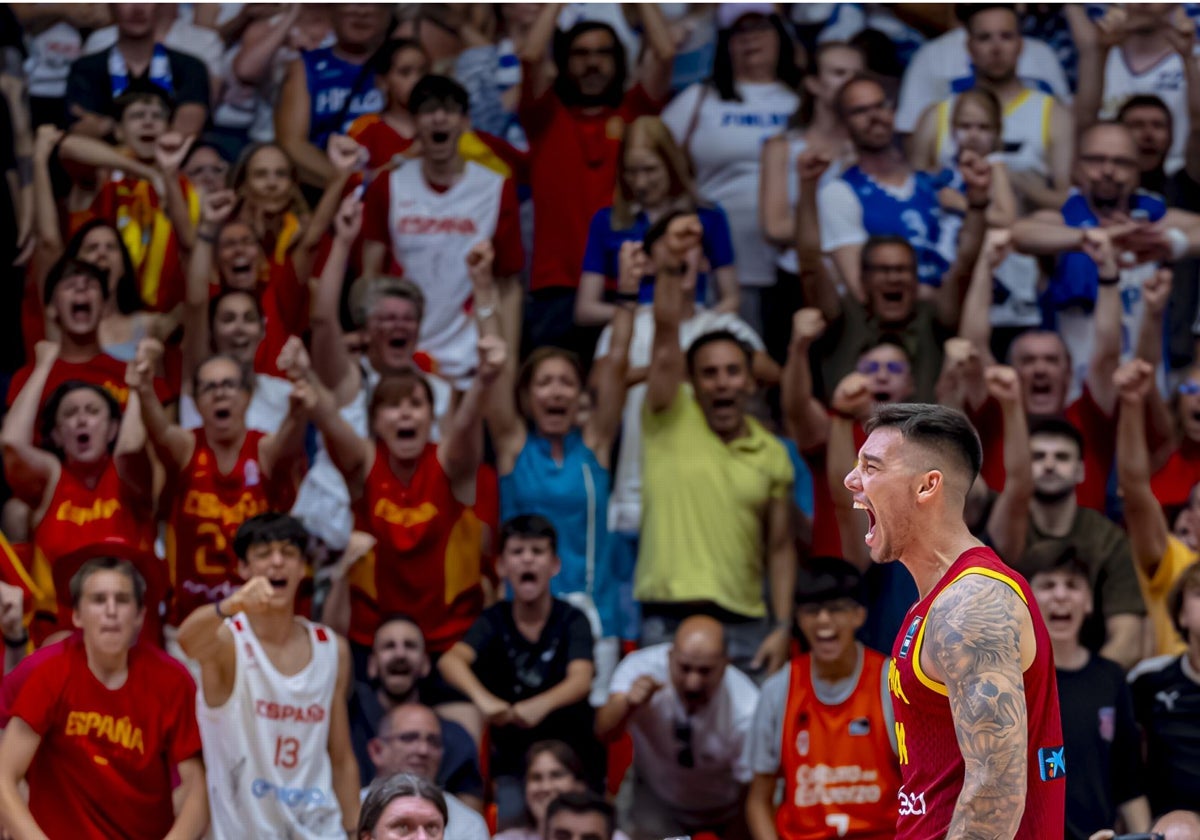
882	195
689	713
396	669
1114	628
574	112
410	741
1143	229
427	214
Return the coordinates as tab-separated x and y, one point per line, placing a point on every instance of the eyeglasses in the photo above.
432	106
837	605
1116	162
683	734
1189	388
871	367
222	385
432	739
863	110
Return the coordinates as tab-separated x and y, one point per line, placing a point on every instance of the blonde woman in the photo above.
652	180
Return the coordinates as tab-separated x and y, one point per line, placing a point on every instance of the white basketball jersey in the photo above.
1026	136
431	235
266	748
1165	80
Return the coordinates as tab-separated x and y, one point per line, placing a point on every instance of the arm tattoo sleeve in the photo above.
975	639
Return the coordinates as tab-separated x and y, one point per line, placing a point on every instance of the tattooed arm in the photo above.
974	646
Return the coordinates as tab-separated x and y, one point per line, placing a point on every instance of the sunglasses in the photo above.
872	367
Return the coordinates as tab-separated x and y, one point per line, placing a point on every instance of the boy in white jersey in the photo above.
271	710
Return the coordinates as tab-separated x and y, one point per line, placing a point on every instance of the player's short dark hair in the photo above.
936	427
108	564
398	618
584	802
141	90
436	88
381	60
713	337
1057	427
1046	556
50	410
966	12
387	788
70	267
1189	578
529	526
1144	100
823	579
838	98
269	527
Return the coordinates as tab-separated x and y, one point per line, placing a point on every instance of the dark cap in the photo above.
823	579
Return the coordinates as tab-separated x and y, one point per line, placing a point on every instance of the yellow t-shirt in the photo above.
704	507
1176	557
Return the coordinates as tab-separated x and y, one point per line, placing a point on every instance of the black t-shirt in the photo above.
514	669
90	87
1102	741
1166	702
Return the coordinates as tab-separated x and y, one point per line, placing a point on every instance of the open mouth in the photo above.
882	396
527	577
222	414
723	403
439	137
83	439
893	297
398	343
278	583
399	668
556	410
81	308
1040	388
870	518
406	434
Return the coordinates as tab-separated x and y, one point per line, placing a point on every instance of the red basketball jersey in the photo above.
930	760
839	771
207	508
426	561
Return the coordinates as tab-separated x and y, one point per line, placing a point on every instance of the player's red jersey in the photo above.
839	772
103	768
426	561
207	508
930	760
78	516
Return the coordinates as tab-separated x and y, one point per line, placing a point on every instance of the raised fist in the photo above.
253	597
997	245
216	207
977	177
852	397
811	165
808	324
1133	381
492	354
170	150
293	359
1156	290
1003	384
348	222
632	266
345	154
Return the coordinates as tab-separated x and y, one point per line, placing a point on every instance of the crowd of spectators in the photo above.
433	418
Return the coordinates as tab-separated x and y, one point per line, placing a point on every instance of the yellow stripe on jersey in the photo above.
1011	107
926	680
1047	109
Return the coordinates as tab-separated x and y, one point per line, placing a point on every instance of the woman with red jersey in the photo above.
415	497
90	482
220	474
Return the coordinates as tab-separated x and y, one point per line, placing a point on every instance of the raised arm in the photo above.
261	40
31	472
851	403
1009	520
805	419
351	454
461	449
658	56
282	450
977	175
816	283
205	638
1156	292
1093	41
775	214
1182	35
675	256
615	714
1043	234
100	155
536	74
347	157
46	221
975	325
1106	320
215	210
973	645
292	127
1145	521
169	153
961	383
173	445
331	360
609	372
131	456
922	144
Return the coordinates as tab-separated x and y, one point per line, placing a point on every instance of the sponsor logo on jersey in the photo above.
208	506
848	784
1108	722
860	726
418	225
79	515
911	804
909	635
406	517
289	796
1052	763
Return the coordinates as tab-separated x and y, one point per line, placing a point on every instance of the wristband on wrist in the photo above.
217	607
1109	281
18	643
844	415
626	297
979	205
203	236
1178	241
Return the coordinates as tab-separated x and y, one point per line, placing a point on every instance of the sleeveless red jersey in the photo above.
839	769
426	561
80	516
207	508
930	761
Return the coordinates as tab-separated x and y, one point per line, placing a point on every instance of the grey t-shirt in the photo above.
765	741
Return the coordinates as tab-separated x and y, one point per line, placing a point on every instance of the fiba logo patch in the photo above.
909	635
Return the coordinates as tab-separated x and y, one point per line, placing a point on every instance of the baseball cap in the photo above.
729	13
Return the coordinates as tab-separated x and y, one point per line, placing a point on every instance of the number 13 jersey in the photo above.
266	748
